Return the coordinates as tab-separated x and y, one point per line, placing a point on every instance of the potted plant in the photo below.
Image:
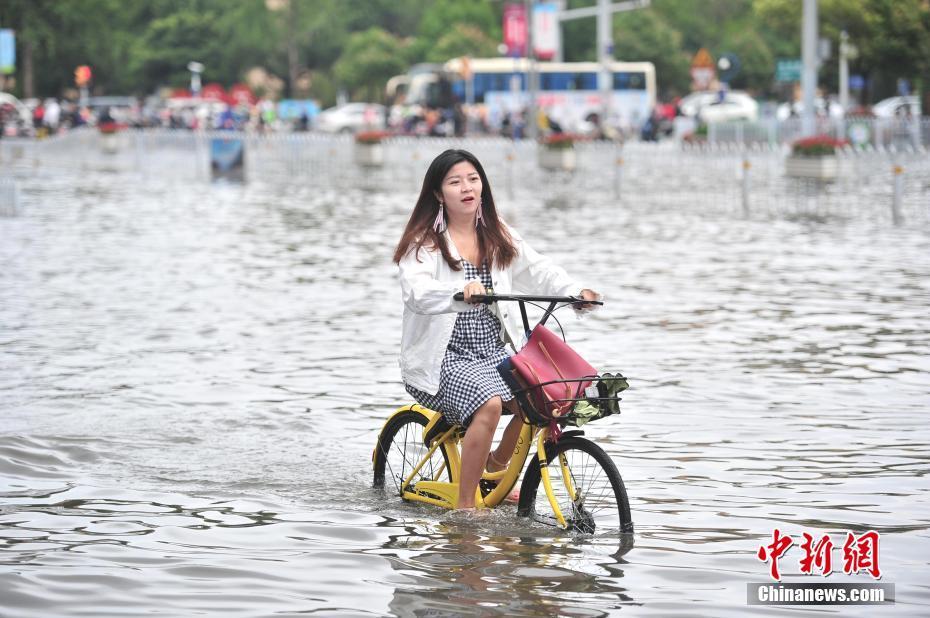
698	137
557	151
814	157
368	149
108	133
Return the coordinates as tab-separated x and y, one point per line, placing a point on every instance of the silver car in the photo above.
898	107
351	118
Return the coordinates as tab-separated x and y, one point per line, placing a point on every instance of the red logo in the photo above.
774	551
819	555
860	553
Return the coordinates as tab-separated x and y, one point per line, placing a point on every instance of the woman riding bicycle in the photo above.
455	242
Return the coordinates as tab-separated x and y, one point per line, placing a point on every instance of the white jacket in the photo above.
428	285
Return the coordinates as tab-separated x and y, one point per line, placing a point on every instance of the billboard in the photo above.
546	31
515	30
7	51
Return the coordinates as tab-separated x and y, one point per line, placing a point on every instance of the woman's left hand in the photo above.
588	294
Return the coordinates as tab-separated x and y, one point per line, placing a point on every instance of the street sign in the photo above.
7	51
703	70
546	30
788	70
729	66
702	59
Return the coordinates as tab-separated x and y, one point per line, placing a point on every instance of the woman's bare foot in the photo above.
495	465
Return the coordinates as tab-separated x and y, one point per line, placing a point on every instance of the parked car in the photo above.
823	108
898	107
733	107
15	117
691	104
351	117
710	106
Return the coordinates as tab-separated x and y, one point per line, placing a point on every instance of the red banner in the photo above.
515	30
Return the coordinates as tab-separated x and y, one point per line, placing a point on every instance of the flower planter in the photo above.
557	158
369	155
109	143
823	167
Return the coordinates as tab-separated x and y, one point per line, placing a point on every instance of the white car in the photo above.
734	107
710	106
822	109
691	104
351	117
898	107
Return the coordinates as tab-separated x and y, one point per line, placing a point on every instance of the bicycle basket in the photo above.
587	399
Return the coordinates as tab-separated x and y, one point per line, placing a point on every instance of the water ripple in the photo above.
192	378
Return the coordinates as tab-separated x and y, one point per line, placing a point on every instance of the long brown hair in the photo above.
494	241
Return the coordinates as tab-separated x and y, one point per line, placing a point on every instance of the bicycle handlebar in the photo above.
553	301
487	299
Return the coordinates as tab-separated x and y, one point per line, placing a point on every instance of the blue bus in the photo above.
568	91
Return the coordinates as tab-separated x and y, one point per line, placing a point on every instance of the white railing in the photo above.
745	178
878	132
9	197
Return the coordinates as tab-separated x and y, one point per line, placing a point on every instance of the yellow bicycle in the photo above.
571	483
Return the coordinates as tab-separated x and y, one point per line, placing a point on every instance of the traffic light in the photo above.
82	75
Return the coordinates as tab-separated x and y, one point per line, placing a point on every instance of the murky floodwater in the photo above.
192	378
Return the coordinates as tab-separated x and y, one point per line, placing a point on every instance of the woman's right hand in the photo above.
472	288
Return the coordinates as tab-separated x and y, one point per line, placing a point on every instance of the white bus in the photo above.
568	91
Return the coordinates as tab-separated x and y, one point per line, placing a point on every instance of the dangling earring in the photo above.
440	223
479	217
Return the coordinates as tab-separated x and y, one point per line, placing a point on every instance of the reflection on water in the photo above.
456	570
192	378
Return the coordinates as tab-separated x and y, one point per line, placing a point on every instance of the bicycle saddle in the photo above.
437	426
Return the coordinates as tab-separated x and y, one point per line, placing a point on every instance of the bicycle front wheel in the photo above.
586	485
401	449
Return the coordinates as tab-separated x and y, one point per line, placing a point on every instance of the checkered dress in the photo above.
468	376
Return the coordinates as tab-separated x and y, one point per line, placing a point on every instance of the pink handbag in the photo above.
555	374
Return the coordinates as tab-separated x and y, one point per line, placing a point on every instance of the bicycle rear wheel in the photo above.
587	487
400	448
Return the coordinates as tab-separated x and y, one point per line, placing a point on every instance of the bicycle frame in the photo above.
445	494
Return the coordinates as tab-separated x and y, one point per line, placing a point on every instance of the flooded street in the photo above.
193	377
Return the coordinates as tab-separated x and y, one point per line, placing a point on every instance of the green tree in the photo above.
893	37
757	63
369	60
645	35
706	23
171	42
462	40
135	47
579	36
55	37
474	21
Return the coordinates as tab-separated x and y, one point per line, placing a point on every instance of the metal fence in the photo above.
898	132
886	184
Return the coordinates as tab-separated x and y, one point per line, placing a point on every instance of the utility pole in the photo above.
532	75
810	63
844	71
605	42
605	56
293	67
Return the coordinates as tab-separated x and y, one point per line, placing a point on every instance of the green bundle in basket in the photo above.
602	400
